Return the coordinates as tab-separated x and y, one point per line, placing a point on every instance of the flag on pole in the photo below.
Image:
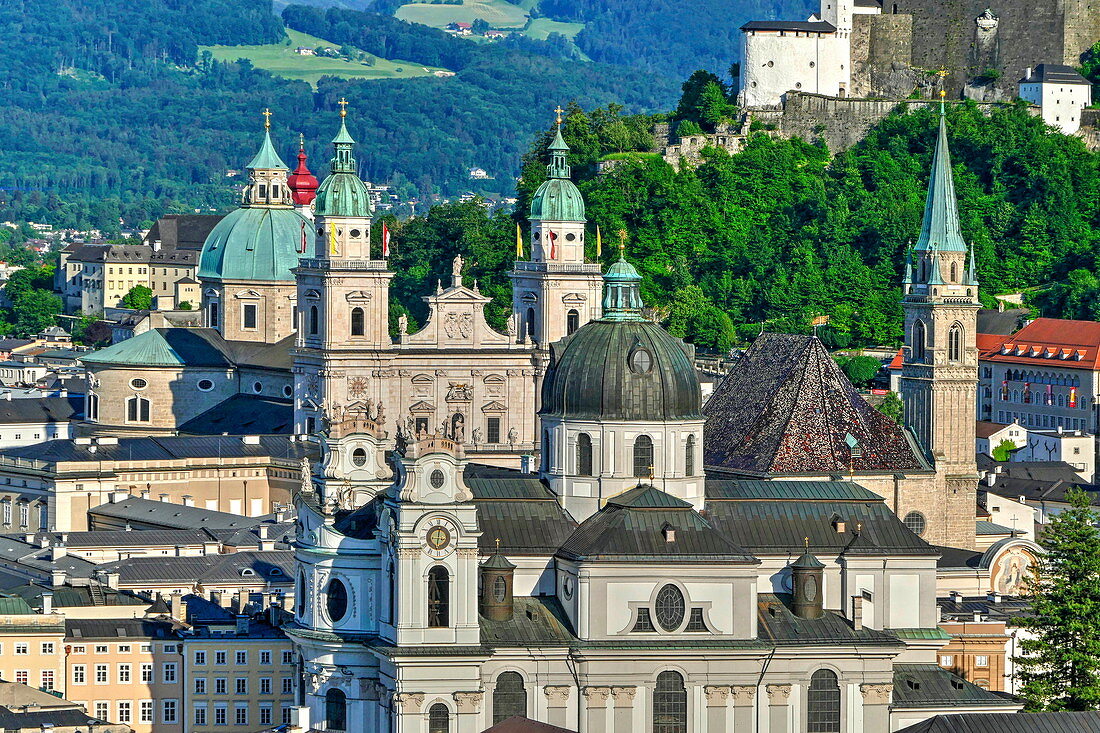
303	242
332	238
385	241
519	242
553	245
599	242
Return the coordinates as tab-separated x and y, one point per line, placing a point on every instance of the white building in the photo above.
1061	93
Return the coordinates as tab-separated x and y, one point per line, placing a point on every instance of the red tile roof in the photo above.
1049	341
895	363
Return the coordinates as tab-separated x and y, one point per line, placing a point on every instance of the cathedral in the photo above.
548	522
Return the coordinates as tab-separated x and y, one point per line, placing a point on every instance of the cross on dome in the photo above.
558	110
267	118
343	107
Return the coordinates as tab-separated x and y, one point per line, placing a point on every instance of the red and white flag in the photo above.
385	241
303	242
553	245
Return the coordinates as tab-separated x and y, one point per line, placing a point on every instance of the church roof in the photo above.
244	414
786	408
165	347
266	158
254	243
929	685
940	230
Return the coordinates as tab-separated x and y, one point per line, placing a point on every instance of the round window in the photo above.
355	232
570	237
257	387
138	383
641	361
437	478
535	236
205	385
359	457
669	608
916	523
288	391
336	600
320	230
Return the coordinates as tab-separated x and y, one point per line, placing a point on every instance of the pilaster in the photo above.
876	707
717	712
596	703
778	709
743	698
624	708
557	701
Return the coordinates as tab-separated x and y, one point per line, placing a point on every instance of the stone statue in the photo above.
305	475
459	430
410	425
511	327
476	434
380	416
403	324
513	436
456	271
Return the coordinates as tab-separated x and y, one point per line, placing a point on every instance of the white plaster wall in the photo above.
774	64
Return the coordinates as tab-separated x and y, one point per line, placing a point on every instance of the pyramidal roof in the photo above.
786	408
940	229
267	158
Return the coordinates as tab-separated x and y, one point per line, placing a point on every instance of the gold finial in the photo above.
943	93
622	240
498	544
267	119
806	540
343	107
651	473
558	111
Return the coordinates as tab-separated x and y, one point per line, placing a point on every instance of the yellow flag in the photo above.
332	238
599	242
519	242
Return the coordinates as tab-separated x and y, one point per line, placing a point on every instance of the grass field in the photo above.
497	13
281	60
540	28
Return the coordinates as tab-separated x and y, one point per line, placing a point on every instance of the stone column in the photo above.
467	707
743	697
407	707
624	708
876	707
596	702
777	708
716	707
557	700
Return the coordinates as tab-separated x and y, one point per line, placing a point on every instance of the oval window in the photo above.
355	232
138	383
257	387
320	230
336	600
205	385
536	236
669	608
359	457
288	391
500	589
570	237
641	361
437	478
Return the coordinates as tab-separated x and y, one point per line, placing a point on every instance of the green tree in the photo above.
860	370
185	305
892	407
35	311
1060	662
28	280
1003	452
139	298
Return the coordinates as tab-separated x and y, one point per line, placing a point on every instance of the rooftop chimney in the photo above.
58	577
179	608
857	612
47	602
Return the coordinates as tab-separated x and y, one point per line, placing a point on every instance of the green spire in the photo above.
936	277
971	272
267	158
342	193
342	160
622	298
559	166
940	229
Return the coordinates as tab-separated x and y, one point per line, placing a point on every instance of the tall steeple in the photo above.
940	230
343	199
267	182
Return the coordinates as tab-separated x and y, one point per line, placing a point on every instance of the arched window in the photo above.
336	710
547	454
689	456
137	409
439	591
509	697
584	455
954	272
358	327
670	704
954	343
93	406
918	341
439	719
572	321
823	703
531	323
643	456
314	321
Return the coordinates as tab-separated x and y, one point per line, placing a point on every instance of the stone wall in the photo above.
882	48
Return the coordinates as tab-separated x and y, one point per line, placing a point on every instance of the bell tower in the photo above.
940	370
555	292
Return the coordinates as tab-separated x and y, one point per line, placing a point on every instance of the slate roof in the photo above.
41	410
983	528
994	321
171	516
777	625
1005	608
631	527
182	231
929	685
956	557
1054	74
76	596
536	621
518	509
786	408
1064	722
1034	480
124	538
163	448
72	718
117	628
745	489
244	414
811	26
15	552
273	566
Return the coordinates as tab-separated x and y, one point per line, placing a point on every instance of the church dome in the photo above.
254	243
558	198
342	193
621	366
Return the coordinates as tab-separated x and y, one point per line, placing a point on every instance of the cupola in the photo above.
496	587
806	574
303	184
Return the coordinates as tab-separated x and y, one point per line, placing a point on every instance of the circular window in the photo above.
138	383
288	391
798	85
437	478
359	457
567	587
336	600
771	64
570	237
320	230
355	232
500	589
205	385
754	84
641	361
536	235
669	608
916	522
812	64
257	387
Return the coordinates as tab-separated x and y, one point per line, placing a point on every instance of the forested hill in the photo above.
110	111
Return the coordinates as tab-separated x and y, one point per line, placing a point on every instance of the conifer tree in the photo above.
1060	666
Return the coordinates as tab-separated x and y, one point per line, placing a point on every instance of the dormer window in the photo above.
669	532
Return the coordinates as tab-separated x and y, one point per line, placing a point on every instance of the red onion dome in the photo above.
302	183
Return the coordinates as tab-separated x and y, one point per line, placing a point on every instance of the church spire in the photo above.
940	230
559	165
267	159
343	161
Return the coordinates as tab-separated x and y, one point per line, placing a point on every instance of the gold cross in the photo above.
267	119
807	541
559	110
498	544
651	473
343	107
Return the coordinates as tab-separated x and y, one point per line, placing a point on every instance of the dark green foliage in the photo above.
35	311
185	305
1060	662
90	330
892	407
1003	452
139	298
860	370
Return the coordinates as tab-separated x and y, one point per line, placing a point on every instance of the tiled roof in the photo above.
520	724
984	429
786	408
244	414
272	566
117	628
1005	322
1064	722
33	410
1052	342
183	231
163	448
171	516
929	685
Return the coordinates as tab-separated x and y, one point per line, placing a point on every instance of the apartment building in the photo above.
30	645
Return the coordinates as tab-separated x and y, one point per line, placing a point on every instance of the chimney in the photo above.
242	625
111	579
250	439
47	602
301	717
240	601
163	498
1059	429
43	541
956	597
993	597
1027	75
527	464
58	551
118	496
145	493
58	577
179	607
156	245
496	602
280	514
262	531
188	500
28	537
857	612
225	600
977	617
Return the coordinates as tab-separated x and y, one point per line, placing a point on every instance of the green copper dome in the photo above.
558	198
255	243
622	366
342	193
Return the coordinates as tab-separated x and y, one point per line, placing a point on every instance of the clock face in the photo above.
439	538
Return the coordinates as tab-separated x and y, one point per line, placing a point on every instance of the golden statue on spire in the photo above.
558	111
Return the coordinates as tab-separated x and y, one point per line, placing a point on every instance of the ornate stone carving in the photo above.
408	702
876	694
743	694
596	696
778	694
468	702
467	551
987	21
357	386
459	392
557	695
624	696
716	695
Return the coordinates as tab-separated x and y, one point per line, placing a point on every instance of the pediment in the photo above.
358	296
422	406
247	294
494	406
